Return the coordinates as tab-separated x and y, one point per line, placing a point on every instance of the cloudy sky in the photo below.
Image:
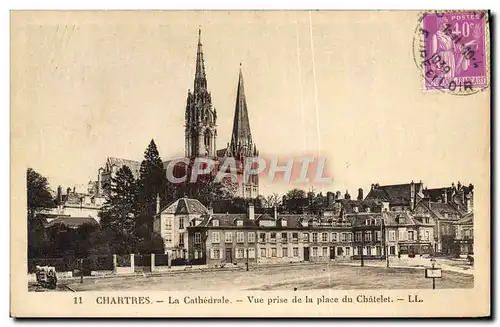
341	85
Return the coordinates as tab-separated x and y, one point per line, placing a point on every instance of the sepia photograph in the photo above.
292	160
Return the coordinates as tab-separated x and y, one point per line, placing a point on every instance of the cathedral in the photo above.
201	134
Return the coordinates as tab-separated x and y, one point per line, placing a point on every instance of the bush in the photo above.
101	262
123	260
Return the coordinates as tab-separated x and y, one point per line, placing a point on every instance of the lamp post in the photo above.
362	248
247	259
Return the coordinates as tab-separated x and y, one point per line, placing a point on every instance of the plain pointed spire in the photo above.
241	125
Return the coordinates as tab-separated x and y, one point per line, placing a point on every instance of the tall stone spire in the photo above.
200	116
241	138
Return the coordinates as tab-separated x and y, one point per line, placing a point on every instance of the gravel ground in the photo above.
304	277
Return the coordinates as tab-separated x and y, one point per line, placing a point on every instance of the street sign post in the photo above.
433	273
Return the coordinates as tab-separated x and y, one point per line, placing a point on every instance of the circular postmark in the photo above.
451	51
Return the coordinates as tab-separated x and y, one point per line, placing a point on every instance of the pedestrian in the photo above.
399	255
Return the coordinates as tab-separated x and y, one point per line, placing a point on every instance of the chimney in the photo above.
68	190
412	195
251	211
275	213
360	194
347	196
157	203
445	196
74	189
373	186
470	202
59	195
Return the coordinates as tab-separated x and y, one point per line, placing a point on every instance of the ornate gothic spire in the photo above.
200	79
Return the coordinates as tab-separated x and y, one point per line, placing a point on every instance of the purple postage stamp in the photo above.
455	51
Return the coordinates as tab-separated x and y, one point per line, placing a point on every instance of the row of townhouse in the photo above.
192	232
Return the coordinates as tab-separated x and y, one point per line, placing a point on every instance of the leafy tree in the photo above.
39	194
151	244
118	215
39	199
295	201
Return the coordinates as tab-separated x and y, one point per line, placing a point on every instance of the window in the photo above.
368	236
168	238
358	236
216	254
251	253
240	253
325	251
181	223
285	252
426	220
295	236
340	251
197	238
273	252
228	236
240	237
402	235
283	223
360	250
334	237
195	254
263	252
295	252
348	251
392	250
262	237
324	237
239	223
273	237
284	237
368	250
392	235
181	239
426	235
315	237
305	237
343	237
315	251
215	237
378	235
349	237
251	237
215	222
168	223
378	250
410	235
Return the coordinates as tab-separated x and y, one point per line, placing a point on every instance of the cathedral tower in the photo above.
201	116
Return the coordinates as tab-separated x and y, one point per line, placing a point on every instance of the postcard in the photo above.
250	163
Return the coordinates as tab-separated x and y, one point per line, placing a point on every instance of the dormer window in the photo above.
239	223
215	222
368	209
283	223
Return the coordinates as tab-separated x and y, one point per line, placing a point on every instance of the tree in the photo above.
295	200
39	199
39	194
271	201
152	181
118	215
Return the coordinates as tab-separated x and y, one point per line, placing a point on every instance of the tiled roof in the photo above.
72	222
468	219
135	166
394	194
185	206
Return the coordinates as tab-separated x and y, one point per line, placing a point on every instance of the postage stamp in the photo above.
455	51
